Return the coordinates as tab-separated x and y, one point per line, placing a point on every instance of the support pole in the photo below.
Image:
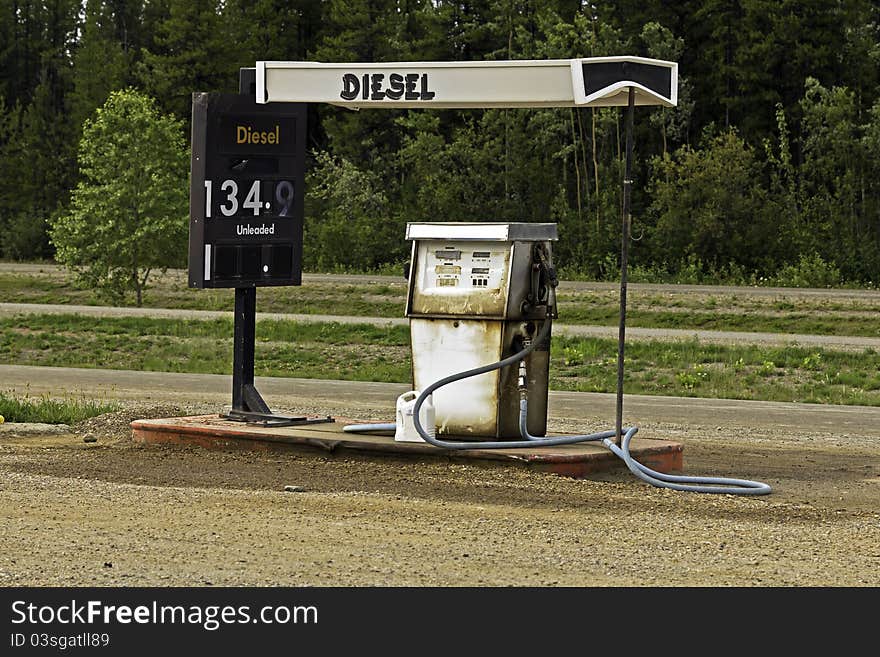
244	395
247	403
243	344
624	263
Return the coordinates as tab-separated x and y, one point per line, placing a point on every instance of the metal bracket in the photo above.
272	420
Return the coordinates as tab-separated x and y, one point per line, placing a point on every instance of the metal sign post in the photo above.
246	218
626	228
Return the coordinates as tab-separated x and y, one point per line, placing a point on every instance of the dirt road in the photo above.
112	512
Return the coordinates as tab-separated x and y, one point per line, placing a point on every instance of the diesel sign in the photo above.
245	134
373	86
246	194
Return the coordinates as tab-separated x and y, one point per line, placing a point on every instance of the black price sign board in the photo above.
246	192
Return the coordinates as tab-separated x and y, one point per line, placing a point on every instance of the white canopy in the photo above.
585	82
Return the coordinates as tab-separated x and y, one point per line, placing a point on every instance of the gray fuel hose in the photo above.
370	428
720	485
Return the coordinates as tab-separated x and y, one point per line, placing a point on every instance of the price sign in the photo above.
246	194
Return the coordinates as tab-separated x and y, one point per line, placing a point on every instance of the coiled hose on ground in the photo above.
676	482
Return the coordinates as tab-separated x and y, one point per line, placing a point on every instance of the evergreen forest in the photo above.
770	163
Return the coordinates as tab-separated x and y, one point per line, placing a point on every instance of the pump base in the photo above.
577	461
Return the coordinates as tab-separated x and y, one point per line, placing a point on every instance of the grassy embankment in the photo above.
684	368
366	353
683	310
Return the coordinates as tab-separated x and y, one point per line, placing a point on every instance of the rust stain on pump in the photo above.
444	346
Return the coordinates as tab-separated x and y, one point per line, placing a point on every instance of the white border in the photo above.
261	83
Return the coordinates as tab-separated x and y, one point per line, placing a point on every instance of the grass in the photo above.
795	322
369	353
171	291
51	411
283	348
683	310
728	312
696	369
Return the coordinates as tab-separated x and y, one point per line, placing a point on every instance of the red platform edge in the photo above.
577	461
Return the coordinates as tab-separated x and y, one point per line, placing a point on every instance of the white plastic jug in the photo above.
405	430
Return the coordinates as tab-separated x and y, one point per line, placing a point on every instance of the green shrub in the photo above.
810	271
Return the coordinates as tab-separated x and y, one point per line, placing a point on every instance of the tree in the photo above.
98	64
349	224
673	122
127	215
839	208
193	51
36	155
711	205
273	29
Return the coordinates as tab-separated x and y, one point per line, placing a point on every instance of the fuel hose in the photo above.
721	485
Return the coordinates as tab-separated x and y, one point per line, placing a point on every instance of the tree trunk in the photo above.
577	171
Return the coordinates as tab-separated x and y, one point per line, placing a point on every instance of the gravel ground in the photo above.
111	512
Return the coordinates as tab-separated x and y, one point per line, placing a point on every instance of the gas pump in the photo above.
478	293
